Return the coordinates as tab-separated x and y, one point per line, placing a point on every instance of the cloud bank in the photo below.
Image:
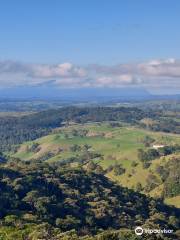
152	75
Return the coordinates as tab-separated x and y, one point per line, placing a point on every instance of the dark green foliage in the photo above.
55	202
73	199
75	148
119	170
15	130
139	187
166	125
169	174
34	147
147	140
146	164
151	182
162	172
163	123
46	156
115	124
2	158
148	155
167	150
172	180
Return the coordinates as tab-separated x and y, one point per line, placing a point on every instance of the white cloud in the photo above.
163	68
151	74
65	70
119	80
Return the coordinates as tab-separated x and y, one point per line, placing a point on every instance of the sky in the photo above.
91	43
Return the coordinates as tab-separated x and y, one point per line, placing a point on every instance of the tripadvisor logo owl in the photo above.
138	231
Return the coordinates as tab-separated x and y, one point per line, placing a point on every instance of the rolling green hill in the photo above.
109	145
15	129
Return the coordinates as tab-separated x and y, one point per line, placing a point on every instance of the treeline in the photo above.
42	199
15	130
169	174
146	156
163	125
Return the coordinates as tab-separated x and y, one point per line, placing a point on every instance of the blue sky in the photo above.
86	32
92	31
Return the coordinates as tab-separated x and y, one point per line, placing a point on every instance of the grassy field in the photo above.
173	201
118	145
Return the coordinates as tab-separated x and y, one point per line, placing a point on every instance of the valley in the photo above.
89	172
109	146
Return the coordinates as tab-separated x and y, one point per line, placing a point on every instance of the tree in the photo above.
11	220
151	182
148	141
139	187
75	148
91	166
31	197
119	170
134	164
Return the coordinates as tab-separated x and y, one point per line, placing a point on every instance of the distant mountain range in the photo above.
52	92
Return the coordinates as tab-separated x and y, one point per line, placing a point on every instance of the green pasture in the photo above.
118	145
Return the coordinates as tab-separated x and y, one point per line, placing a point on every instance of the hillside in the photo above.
39	199
111	146
89	172
17	129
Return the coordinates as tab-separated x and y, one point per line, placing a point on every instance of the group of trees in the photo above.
17	129
147	141
78	148
118	169
146	156
152	181
169	173
166	175
163	125
39	194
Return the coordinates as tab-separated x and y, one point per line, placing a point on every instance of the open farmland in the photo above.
109	145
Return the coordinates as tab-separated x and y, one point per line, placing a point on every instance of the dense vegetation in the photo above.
109	148
146	156
41	199
170	176
163	125
62	189
15	130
